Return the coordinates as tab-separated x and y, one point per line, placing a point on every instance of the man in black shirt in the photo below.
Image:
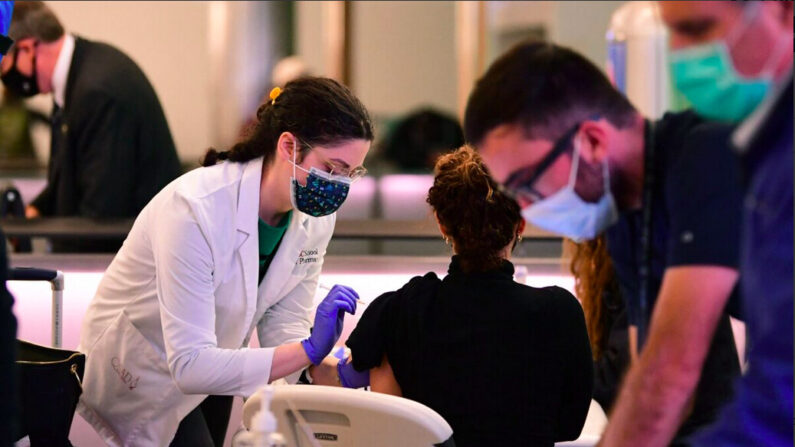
581	161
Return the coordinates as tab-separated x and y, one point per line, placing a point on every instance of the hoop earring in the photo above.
446	240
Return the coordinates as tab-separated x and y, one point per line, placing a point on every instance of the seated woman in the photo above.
503	363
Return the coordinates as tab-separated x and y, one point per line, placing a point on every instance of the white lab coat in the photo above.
176	307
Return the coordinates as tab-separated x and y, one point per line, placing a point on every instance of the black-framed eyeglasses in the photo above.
521	183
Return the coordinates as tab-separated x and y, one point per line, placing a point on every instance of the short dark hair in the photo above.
547	89
419	138
34	19
319	111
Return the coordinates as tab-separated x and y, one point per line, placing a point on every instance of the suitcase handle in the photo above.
31	274
55	278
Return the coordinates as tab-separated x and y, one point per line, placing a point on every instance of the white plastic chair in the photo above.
314	416
595	424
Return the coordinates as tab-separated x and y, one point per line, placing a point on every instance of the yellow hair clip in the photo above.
275	94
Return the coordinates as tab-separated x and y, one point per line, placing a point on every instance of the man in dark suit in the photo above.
112	150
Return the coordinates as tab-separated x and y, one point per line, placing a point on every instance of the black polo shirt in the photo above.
696	221
503	363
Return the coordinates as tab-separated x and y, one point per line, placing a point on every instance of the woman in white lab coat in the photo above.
220	250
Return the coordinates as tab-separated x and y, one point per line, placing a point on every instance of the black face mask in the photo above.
24	86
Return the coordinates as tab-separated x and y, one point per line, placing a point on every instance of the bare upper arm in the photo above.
382	379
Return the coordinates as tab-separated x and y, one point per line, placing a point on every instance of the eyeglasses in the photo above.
521	183
335	169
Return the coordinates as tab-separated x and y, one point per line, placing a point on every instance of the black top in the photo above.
696	209
696	221
503	363
112	150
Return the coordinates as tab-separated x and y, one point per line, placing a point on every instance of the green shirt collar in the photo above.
269	236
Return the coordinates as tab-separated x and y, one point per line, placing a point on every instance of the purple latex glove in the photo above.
349	377
328	322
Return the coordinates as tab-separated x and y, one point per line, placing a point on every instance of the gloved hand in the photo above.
328	322
349	377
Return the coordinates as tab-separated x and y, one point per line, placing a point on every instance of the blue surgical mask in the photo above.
323	194
706	75
567	214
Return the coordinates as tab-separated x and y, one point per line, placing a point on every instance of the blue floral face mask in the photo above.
323	194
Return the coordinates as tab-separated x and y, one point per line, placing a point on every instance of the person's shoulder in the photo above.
689	134
677	122
705	151
103	69
420	286
210	193
428	280
205	196
207	181
562	309
417	290
547	297
710	136
104	57
566	301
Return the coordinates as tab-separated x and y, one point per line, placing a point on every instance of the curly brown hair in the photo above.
479	218
593	278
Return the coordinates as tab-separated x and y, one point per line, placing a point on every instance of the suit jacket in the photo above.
111	150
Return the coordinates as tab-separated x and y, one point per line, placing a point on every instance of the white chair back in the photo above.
595	424
342	417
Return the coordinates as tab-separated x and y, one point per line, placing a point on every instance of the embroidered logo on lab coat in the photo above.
307	257
125	375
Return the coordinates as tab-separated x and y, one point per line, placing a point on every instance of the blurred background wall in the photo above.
170	41
403	55
210	62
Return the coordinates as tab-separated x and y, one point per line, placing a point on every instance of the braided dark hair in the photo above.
319	111
474	212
